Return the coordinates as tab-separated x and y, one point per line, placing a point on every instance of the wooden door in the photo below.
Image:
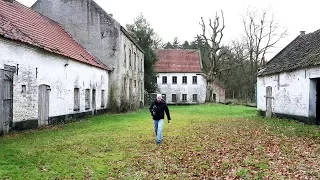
6	100
269	101
43	105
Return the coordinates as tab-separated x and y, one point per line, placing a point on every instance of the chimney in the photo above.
10	1
111	15
302	33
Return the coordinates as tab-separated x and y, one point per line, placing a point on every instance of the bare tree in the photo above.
262	33
211	37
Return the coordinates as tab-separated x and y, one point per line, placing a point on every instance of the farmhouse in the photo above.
107	40
289	84
179	78
45	75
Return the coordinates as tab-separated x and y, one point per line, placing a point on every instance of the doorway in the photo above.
318	101
6	100
269	101
43	105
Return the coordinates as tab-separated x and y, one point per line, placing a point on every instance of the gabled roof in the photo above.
20	23
302	52
178	61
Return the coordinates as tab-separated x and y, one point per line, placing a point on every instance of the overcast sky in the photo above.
180	18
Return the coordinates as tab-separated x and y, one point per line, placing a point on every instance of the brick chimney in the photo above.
10	1
302	33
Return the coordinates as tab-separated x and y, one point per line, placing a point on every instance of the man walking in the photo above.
157	110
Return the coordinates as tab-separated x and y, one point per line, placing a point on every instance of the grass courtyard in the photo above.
201	142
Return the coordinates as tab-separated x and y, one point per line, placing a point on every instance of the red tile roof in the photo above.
178	60
18	22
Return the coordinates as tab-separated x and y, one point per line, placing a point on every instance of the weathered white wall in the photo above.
98	32
218	91
135	72
179	88
60	73
294	92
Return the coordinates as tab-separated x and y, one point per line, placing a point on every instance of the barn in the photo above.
46	77
289	84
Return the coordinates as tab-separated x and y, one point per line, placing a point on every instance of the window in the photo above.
102	99
93	99
164	79
138	64
141	65
164	97
194	80
87	99
142	92
195	97
125	87
156	80
76	106
174	98
125	54
130	89
135	61
174	79
135	83
184	97
130	57
184	79
24	89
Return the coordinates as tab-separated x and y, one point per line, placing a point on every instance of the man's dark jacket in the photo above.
157	110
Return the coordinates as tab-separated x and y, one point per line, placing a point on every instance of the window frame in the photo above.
87	99
102	98
194	79
194	99
186	99
130	58
174	80
125	55
174	99
186	80
76	101
135	61
164	78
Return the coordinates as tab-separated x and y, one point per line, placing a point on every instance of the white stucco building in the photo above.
106	39
46	76
289	84
179	78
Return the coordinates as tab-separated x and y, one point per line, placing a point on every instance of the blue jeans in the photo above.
158	126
